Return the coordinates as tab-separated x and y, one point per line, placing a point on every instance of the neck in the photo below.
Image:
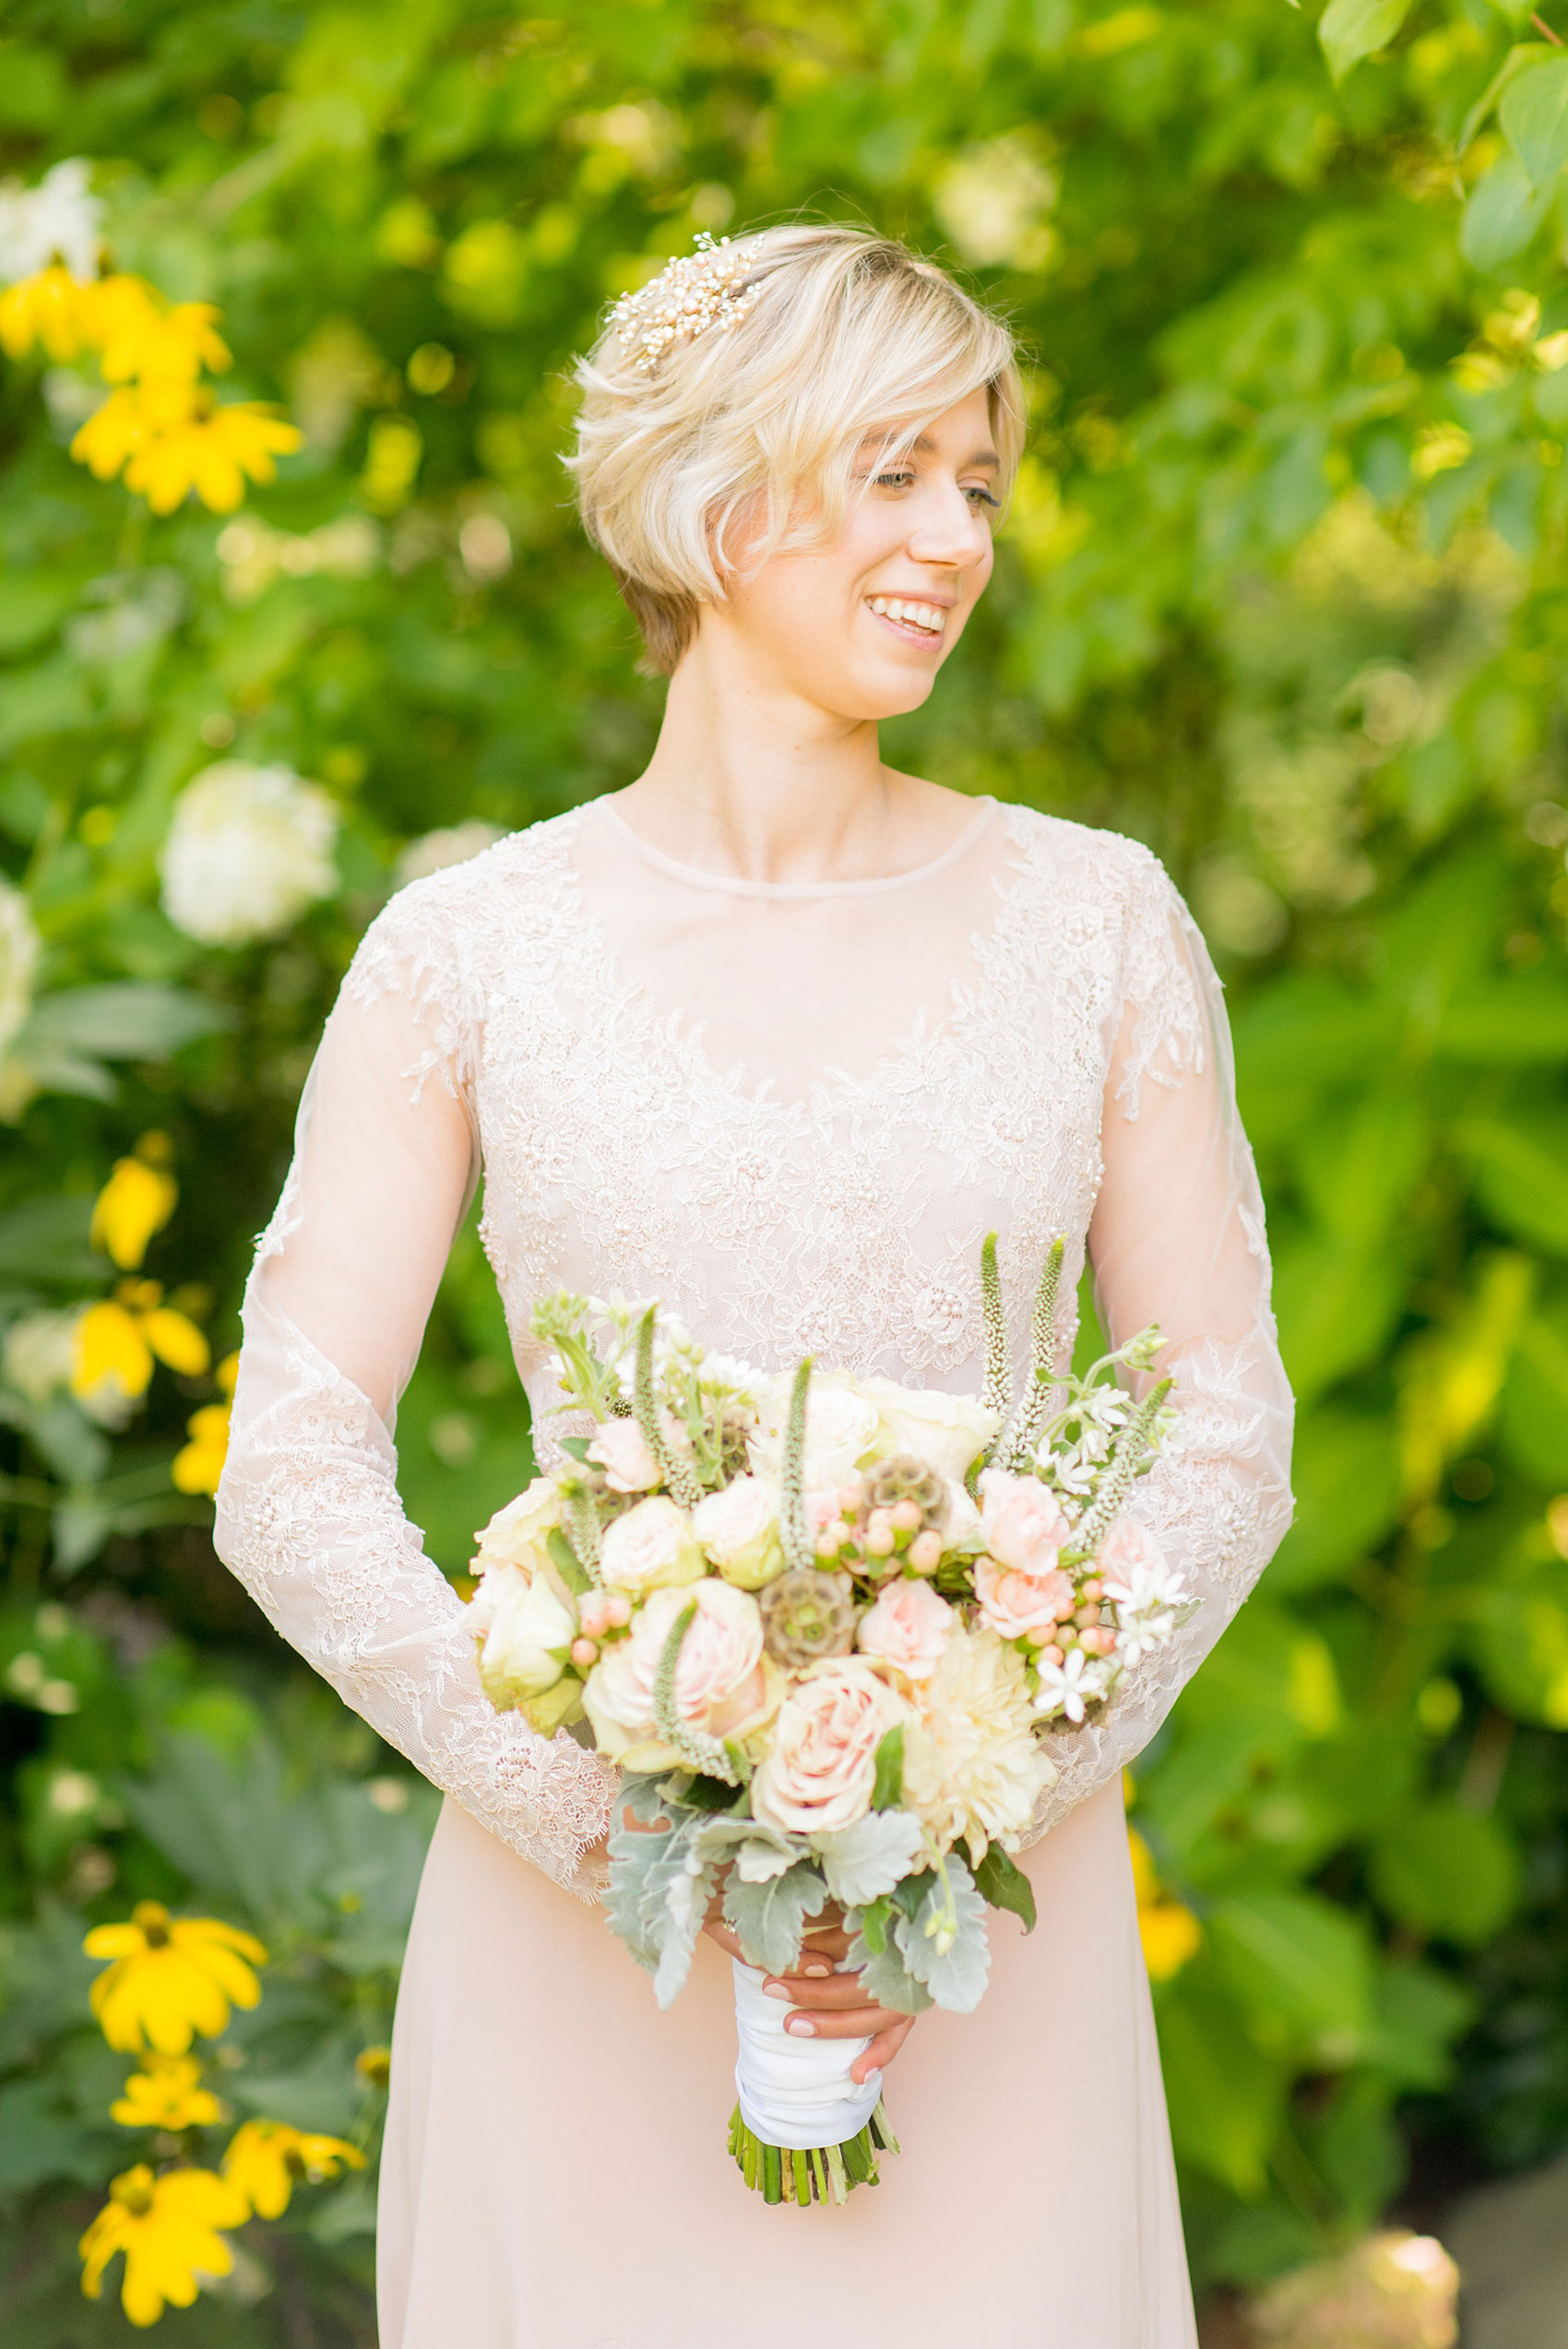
750	778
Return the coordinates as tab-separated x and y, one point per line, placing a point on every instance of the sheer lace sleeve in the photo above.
1177	1237
308	1514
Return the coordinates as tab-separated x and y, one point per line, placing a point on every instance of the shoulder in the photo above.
1117	877
431	934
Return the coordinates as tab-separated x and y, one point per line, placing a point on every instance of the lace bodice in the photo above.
791	1113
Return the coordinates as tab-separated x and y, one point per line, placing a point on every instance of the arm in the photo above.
308	1514
1177	1237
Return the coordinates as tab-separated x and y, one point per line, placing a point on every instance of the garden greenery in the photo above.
1280	590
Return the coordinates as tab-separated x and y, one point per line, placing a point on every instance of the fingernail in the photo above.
800	2027
816	1968
774	1990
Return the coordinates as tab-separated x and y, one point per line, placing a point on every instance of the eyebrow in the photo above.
986	459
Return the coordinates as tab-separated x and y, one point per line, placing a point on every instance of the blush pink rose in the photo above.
1130	1555
907	1628
718	1677
1022	1606
620	1449
1024	1525
820	1773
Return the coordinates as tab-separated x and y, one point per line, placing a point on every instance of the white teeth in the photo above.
920	615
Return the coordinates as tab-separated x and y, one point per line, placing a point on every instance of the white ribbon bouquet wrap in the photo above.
766	1601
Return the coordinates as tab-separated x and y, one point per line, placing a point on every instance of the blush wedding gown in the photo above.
791	1113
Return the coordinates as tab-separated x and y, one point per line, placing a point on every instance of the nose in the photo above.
947	529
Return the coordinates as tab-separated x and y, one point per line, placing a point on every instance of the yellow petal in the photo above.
176	1340
110	1351
137	1201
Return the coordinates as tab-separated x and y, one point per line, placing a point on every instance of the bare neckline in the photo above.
732	885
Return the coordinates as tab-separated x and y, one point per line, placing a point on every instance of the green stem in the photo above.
709	1755
997	1392
676	1472
1022	1433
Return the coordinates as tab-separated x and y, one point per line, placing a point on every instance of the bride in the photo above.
775	1034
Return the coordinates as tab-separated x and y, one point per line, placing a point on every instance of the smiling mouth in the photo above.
919	622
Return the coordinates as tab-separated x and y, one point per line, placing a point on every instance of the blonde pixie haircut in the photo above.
760	421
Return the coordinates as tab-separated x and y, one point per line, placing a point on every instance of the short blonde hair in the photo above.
845	334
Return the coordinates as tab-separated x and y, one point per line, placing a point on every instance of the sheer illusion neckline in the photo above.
732	884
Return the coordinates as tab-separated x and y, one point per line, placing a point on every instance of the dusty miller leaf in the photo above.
955	1976
863	1861
884	1973
770	1918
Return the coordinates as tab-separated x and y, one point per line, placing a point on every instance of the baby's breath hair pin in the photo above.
690	294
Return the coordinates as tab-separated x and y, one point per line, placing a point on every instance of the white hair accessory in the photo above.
690	294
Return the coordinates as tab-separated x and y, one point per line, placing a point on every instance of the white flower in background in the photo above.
526	1630
948	1432
519	1533
249	849
433	851
57	220
992	200
39	1354
841	1427
19	961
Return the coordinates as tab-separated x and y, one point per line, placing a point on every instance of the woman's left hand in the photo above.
825	2004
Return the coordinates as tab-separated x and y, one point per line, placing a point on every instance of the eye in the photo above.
979	495
895	481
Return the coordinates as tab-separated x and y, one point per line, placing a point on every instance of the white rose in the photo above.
963	1530
841	1427
950	1432
527	1630
622	1450
739	1529
651	1546
249	848
519	1533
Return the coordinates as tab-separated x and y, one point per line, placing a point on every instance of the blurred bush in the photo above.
1281	592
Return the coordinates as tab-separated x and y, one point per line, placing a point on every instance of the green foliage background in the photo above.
1282	592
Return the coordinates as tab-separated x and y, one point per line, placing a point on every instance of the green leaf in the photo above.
1519	1022
1520	1166
46	1239
1523	54
576	1447
888	1791
1444	1870
1502	214
1534	117
121	1022
564	1557
1351	30
1419	2013
1345	1473
1300	1970
1226	2097
1004	1884
1533	1414
770	1919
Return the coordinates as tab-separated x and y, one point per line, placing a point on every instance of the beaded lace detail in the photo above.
520	997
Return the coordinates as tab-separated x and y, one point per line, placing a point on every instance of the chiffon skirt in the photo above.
555	2174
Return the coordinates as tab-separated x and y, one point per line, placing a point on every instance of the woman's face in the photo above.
861	627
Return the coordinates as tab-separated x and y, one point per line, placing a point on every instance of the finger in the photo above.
883	2048
837	1990
848	2022
717	1930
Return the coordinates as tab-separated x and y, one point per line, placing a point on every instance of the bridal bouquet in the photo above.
822	1624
